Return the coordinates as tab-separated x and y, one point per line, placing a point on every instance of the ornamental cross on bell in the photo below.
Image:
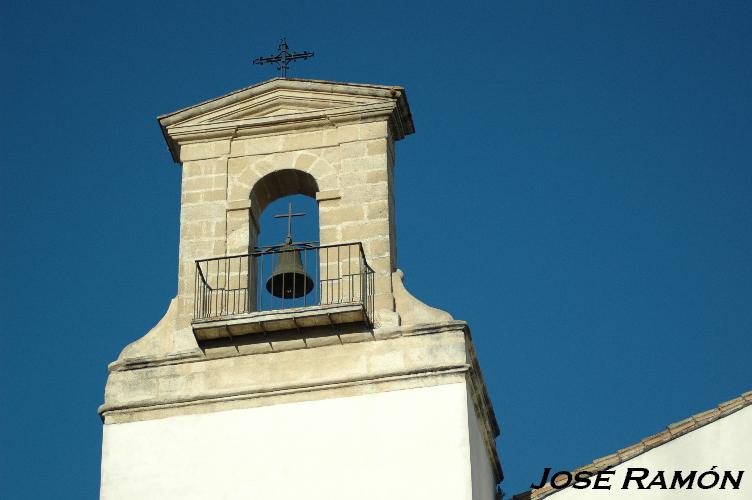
283	57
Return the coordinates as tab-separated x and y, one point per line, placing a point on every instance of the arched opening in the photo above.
284	206
278	184
286	267
288	279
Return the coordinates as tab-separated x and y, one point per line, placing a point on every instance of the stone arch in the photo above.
251	171
279	183
255	181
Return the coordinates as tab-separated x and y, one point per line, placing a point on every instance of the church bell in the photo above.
289	279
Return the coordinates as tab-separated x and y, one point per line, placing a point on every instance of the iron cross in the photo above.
289	216
283	57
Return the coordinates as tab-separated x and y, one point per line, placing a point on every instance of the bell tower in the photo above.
306	369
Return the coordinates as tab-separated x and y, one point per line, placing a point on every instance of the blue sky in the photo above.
579	189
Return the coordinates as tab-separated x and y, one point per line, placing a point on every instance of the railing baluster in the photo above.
217	293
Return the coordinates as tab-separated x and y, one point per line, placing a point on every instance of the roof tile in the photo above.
672	431
678	428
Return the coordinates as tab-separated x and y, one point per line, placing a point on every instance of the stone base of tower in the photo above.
400	413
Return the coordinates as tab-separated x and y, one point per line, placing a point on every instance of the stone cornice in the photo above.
382	103
283	390
433	354
377	334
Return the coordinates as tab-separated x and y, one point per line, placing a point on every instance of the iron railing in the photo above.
236	285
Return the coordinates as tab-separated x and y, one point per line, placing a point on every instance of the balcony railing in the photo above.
285	278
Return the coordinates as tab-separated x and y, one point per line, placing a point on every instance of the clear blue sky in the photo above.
579	189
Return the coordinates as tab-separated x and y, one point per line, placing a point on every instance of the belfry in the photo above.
303	370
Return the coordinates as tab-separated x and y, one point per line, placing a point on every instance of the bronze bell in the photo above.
289	279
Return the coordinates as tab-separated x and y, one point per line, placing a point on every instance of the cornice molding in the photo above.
378	103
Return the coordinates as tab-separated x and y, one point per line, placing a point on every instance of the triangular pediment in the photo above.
280	97
280	102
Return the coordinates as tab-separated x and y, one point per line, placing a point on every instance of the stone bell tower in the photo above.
338	385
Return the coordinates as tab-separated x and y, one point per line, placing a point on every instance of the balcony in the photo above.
286	288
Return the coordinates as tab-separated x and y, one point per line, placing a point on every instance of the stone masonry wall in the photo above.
353	169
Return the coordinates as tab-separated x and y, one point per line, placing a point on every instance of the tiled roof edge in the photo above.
671	432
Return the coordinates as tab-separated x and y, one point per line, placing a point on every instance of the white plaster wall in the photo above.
392	445
726	443
483	481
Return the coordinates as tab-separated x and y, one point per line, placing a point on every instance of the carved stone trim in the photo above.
333	194
238	205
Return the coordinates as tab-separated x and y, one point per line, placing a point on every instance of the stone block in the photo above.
239	205
382	283
383	302
238	192
361	163
330	234
204	211
295	142
238	164
322	341
340	215
350	150
191	169
237	231
305	160
214	195
256	145
376	147
219	248
380	264
377	248
366	230
350	337
204	183
203	150
255	348
328	182
209	166
366	193
379	175
325	196
372	130
330	154
343	133
286	345
190	197
353	178
378	210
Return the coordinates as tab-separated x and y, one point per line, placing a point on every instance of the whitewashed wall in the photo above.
393	445
726	443
484	483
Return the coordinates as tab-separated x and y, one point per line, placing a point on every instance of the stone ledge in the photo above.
210	378
333	194
381	333
273	321
284	395
238	205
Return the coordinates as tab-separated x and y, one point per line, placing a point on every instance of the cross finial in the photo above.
283	57
289	215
